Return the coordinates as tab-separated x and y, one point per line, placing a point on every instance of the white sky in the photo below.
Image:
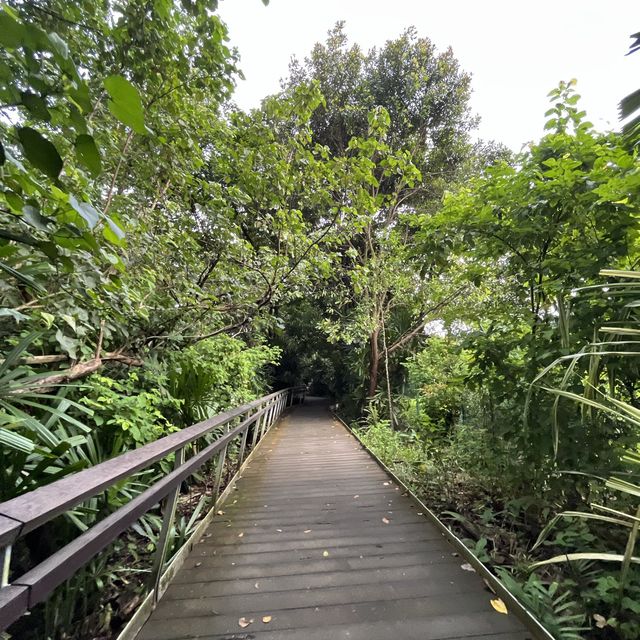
516	51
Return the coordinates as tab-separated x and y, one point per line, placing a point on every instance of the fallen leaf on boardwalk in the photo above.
307	530
467	567
386	484
499	606
221	512
279	530
325	553
257	585
385	520
198	564
240	534
266	619
356	496
243	622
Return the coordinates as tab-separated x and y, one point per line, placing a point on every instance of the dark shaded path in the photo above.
320	539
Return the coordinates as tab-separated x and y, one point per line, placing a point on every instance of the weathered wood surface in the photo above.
303	540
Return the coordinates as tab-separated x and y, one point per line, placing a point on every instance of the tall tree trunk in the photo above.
374	362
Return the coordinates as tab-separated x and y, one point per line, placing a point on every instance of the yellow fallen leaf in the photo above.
499	606
325	553
243	622
266	619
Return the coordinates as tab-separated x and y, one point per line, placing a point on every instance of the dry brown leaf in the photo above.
386	520
243	622
601	621
499	606
266	619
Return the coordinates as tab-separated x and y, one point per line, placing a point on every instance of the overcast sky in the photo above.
517	51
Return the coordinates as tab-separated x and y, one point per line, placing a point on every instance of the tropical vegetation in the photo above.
165	255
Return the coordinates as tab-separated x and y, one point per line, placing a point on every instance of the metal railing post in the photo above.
257	425
219	468
266	421
170	504
243	446
6	563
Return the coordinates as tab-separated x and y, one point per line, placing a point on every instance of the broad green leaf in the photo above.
113	233
88	154
11	31
36	105
35	218
41	153
125	103
59	45
88	212
68	345
12	313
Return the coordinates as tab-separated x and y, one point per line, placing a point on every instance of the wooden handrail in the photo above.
25	513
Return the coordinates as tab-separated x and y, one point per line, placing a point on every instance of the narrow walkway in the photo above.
319	542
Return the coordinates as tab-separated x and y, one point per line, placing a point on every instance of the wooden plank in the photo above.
294	543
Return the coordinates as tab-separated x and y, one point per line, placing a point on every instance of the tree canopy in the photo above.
165	256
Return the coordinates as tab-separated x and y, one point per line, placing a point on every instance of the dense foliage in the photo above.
165	256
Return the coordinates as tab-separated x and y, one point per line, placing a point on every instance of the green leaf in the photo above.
88	154
15	441
68	345
88	212
36	105
11	31
125	103
22	277
59	45
31	215
41	153
12	313
113	233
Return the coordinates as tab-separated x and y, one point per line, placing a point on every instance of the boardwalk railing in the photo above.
23	514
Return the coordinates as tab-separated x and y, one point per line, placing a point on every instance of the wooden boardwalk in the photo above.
319	542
